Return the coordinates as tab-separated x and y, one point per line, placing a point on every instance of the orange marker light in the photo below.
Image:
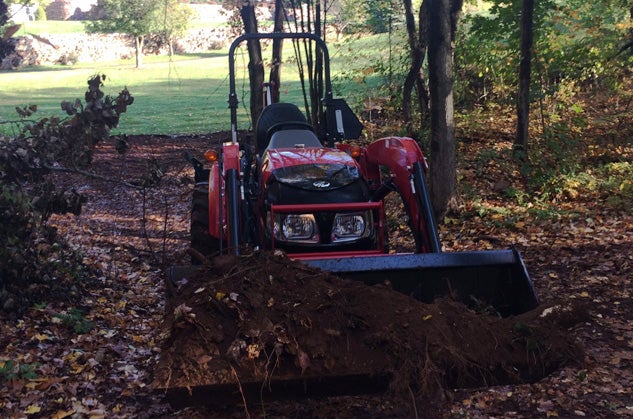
211	156
354	151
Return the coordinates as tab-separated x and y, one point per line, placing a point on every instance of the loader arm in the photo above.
406	164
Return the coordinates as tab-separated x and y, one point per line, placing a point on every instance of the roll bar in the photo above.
233	100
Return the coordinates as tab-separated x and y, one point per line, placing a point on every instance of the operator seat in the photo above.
279	117
289	138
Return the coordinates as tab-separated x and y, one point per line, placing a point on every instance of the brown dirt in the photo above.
246	325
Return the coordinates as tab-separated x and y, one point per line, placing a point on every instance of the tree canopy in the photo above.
140	18
171	20
133	17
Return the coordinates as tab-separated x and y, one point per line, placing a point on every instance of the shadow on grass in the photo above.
210	54
38	69
149	59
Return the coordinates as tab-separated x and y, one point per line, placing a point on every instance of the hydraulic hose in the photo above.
424	201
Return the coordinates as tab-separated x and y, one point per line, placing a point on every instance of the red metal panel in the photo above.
309	208
231	156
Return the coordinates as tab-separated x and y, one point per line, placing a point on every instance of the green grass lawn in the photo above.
187	94
40	27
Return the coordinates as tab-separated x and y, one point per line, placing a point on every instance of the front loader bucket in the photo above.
483	279
212	309
494	279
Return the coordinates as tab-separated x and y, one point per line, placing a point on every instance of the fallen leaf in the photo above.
32	409
41	337
61	414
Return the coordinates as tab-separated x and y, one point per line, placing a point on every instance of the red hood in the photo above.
285	157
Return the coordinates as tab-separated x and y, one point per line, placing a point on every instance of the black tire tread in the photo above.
201	240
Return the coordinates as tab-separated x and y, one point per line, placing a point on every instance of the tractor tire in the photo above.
201	240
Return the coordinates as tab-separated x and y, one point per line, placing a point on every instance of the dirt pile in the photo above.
263	326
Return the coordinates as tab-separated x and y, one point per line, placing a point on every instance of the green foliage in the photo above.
573	40
165	18
6	47
486	55
40	13
140	18
70	141
132	17
582	39
381	15
617	185
612	182
373	81
28	196
75	321
10	370
171	19
348	18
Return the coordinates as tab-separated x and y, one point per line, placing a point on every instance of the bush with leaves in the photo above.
28	197
574	40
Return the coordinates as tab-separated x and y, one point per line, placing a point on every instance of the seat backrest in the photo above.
274	115
293	138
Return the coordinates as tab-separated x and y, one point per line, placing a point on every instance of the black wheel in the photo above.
201	240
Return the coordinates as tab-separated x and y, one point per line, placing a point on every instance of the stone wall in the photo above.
203	40
70	49
33	50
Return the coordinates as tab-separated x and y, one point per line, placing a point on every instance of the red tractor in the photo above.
306	191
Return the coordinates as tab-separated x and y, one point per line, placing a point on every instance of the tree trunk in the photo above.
631	21
523	105
421	84
318	88
139	41
442	176
456	10
418	42
275	71
255	64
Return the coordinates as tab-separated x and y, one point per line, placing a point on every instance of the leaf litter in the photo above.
112	369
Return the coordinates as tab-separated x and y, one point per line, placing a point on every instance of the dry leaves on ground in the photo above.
97	359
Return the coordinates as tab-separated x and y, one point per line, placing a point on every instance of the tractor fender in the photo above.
218	209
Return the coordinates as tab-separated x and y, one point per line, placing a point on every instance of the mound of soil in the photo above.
261	326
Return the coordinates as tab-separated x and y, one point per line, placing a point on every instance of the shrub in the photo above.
28	197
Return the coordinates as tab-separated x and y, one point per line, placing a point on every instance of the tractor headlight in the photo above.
298	228
351	226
